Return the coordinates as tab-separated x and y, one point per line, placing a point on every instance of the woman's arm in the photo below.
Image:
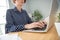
10	27
28	18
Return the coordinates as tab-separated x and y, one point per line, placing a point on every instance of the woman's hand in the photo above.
32	25
43	23
39	24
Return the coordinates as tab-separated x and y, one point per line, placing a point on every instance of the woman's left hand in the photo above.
42	23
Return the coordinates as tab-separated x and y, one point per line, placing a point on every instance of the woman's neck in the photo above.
19	8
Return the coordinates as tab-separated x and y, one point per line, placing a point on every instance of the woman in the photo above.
17	19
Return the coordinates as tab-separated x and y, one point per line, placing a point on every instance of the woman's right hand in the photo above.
33	25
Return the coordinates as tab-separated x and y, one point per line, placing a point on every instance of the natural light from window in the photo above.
3	8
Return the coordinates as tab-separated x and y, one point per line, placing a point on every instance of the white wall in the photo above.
44	6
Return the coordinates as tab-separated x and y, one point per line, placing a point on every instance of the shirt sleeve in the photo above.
10	27
28	18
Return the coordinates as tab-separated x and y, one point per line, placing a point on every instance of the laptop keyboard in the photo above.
37	28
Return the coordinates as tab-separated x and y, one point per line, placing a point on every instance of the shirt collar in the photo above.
15	9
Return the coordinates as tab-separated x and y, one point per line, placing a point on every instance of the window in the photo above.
3	7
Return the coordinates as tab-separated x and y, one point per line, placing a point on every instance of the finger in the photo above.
44	22
41	23
38	26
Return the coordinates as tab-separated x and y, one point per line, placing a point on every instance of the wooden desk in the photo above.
50	35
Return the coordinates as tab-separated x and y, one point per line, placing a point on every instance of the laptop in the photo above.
50	19
45	29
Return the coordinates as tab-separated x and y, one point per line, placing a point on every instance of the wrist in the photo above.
26	26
